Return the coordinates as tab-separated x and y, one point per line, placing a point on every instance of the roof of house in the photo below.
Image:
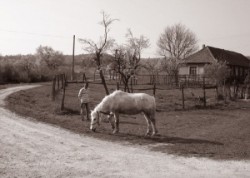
210	54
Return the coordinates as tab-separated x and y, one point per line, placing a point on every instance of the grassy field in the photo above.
220	131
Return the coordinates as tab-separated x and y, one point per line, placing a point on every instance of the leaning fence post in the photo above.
53	92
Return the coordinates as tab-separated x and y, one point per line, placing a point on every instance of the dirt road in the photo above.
33	149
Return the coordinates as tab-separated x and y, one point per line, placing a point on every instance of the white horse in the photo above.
120	102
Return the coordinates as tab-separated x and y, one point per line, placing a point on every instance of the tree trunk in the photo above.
104	82
98	63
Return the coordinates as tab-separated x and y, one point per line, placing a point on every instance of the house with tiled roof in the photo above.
194	64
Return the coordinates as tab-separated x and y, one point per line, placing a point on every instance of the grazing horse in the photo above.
120	102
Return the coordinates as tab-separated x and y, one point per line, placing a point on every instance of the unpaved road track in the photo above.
33	149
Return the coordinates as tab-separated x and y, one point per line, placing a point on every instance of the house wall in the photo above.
185	70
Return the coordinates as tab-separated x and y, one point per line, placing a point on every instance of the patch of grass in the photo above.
220	131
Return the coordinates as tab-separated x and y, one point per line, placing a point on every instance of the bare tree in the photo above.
122	67
98	48
177	42
135	46
127	58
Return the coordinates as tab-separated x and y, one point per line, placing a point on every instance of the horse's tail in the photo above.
153	105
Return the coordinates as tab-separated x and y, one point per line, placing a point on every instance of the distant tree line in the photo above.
41	66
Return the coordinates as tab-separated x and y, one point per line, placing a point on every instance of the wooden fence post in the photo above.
62	80
246	92
65	80
53	92
217	92
131	85
204	92
183	98
84	79
117	86
63	96
58	80
154	89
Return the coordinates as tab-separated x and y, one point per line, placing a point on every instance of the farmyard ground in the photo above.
219	133
36	149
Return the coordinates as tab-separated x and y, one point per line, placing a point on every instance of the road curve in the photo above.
34	149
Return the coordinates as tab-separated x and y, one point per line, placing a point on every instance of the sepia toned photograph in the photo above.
124	89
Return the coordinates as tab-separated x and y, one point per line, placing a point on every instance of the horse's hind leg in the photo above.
152	119
148	124
116	130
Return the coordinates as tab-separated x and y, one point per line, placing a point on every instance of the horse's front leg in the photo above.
110	120
116	130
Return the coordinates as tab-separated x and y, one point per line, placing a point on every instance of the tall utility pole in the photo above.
73	60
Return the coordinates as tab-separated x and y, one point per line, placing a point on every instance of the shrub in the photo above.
218	72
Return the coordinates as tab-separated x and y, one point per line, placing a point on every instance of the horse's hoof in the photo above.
155	134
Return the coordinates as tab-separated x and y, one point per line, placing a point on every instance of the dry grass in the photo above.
221	133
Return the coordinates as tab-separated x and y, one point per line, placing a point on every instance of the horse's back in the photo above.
132	103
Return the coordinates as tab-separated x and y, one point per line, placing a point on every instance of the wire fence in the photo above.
154	85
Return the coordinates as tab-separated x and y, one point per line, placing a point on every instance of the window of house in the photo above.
241	71
193	70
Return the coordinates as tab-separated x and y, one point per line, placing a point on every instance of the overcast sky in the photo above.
26	24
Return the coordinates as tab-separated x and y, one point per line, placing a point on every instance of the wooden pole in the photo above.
73	61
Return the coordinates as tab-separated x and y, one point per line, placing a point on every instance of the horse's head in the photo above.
94	120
